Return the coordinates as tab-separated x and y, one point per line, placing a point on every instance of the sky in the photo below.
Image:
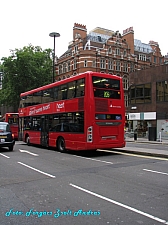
25	22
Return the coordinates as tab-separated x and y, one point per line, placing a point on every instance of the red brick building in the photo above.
107	51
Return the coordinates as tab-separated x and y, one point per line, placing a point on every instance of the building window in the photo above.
147	92
110	50
64	67
125	53
125	82
140	94
110	64
76	48
117	51
131	67
118	65
154	59
125	68
60	69
74	64
102	63
142	57
94	63
162	91
85	63
126	100
69	66
64	77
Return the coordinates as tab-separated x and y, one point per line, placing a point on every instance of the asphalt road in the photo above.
40	186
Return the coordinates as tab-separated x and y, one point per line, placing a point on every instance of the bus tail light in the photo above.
90	134
13	136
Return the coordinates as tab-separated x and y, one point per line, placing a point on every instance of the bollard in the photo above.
135	136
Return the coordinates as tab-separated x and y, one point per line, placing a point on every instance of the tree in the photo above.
25	69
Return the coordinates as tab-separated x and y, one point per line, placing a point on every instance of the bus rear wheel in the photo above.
61	145
27	140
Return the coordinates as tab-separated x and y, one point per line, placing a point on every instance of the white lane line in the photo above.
5	156
153	171
31	153
47	174
120	204
134	155
93	159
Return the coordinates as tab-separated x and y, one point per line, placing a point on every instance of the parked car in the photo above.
6	136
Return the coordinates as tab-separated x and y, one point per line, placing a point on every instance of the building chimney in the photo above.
128	35
79	29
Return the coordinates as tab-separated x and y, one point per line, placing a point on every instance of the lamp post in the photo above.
54	35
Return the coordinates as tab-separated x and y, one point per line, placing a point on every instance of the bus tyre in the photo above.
61	145
11	148
27	140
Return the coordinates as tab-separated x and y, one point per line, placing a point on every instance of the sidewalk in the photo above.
145	140
147	151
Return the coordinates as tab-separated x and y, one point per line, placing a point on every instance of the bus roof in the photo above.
64	81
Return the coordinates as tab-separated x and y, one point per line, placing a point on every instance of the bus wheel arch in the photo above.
60	144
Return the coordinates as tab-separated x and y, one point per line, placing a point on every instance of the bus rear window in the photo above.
108	117
13	120
106	88
100	82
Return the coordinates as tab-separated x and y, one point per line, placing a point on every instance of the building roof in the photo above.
141	47
104	31
97	37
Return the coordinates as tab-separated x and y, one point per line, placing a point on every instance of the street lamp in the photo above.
54	35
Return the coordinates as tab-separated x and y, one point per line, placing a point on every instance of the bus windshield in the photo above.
13	120
106	88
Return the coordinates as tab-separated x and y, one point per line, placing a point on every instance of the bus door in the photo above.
44	130
21	129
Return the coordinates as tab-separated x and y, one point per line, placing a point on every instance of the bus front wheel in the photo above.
61	145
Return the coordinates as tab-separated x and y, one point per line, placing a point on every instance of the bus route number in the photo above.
106	94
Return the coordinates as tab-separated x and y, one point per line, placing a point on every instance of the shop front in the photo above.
140	122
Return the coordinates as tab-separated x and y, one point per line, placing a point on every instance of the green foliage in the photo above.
25	69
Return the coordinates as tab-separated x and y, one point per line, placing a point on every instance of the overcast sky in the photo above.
25	22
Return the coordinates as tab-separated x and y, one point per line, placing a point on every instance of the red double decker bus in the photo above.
13	120
83	112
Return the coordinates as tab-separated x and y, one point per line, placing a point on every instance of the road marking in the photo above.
5	156
131	154
93	159
120	204
153	171
31	153
47	174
